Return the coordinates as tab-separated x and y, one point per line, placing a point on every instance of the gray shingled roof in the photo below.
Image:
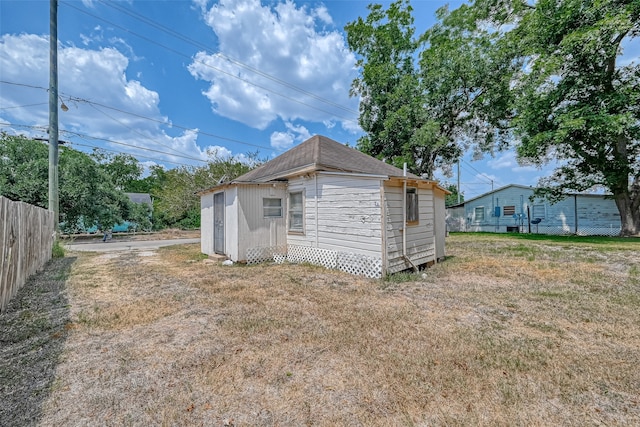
140	198
319	153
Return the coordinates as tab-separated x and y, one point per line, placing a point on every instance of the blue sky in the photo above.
173	81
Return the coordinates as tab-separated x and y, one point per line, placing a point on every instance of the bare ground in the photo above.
505	332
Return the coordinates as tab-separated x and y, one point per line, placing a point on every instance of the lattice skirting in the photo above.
345	261
276	254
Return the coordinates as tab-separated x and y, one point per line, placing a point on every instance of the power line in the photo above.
199	132
210	66
24	106
199	45
67	143
35	127
132	129
482	176
72	98
123	152
477	171
84	136
68	132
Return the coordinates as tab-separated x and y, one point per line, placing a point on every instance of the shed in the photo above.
325	203
513	208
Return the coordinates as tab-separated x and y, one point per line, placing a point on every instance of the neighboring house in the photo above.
81	227
513	209
137	198
325	203
141	198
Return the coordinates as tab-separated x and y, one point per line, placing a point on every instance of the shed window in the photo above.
412	205
479	213
296	212
272	208
509	210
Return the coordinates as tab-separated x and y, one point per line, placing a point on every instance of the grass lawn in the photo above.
509	330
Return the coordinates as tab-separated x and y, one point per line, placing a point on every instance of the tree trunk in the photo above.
629	208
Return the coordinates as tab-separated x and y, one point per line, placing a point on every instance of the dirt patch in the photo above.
501	333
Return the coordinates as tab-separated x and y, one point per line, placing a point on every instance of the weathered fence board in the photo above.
26	237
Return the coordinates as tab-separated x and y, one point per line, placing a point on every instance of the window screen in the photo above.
296	213
412	205
272	208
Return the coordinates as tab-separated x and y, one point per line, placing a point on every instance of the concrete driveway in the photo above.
124	245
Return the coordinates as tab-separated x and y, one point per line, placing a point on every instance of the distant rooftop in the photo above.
140	198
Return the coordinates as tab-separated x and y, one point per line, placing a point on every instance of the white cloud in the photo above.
88	78
323	14
280	42
201	4
508	160
301	132
284	140
217	151
281	140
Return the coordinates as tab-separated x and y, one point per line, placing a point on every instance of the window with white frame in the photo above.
272	207
296	212
479	214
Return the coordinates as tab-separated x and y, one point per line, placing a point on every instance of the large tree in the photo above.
389	89
124	170
177	203
425	99
543	77
576	101
85	191
465	73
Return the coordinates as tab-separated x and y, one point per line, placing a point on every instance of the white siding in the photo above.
206	223
348	213
231	215
254	230
510	196
440	223
595	215
420	240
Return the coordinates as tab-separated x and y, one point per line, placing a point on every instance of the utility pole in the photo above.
54	203
458	181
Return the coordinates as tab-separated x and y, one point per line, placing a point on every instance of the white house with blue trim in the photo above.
513	208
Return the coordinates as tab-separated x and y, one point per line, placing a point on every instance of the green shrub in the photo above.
57	250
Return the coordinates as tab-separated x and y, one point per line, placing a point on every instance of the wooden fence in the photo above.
26	238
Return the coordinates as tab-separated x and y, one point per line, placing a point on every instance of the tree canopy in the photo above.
92	187
85	192
577	102
544	78
176	196
424	99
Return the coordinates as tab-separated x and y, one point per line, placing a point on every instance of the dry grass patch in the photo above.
502	333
